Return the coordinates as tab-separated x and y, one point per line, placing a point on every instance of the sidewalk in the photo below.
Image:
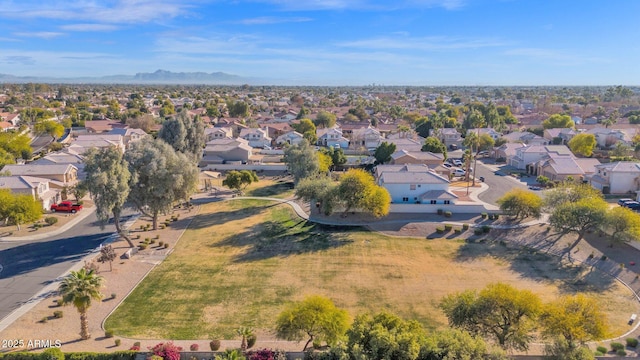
79	216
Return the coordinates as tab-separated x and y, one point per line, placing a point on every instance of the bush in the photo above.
440	230
457	231
117	355
152	242
602	349
157	237
134	348
167	351
447	214
108	333
621	353
603	257
496	216
465	227
266	354
477	231
142	246
615	346
194	347
118	342
113	295
52	354
138	237
251	341
137	343
214	345
44	320
598	353
57	314
448	227
50	220
486	229
160	243
484	215
632	342
166	245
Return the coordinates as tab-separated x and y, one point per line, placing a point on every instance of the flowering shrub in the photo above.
167	351
266	354
135	348
194	347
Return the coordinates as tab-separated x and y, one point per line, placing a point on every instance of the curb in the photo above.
79	217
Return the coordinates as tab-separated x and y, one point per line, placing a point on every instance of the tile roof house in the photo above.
257	138
82	143
218	133
221	151
128	134
414	184
560	167
63	158
617	178
565	134
64	173
408	144
526	137
332	137
5	125
448	136
291	138
489	131
37	187
416	157
366	137
528	155
607	138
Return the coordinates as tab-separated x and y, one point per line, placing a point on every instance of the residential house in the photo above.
525	157
414	184
13	119
63	158
5	125
606	138
526	137
257	138
564	134
401	157
66	174
129	135
218	133
617	178
448	136
559	167
367	137
82	143
277	129
506	151
489	131
291	138
35	186
101	126
332	137
408	144
222	151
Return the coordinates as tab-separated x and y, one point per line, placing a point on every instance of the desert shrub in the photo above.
447	214
160	243
465	226
157	237
214	345
57	314
448	227
632	342
142	246
53	353
484	215
108	333
152	241
194	347
590	256
251	341
118	342
113	295
440	230
50	220
135	348
486	229
137	343
496	216
603	257
167	351
477	231
457	231
138	237
602	349
598	353
621	353
44	320
615	346
166	245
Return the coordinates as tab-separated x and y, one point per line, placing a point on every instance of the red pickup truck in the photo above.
66	206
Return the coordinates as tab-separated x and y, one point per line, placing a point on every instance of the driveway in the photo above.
499	181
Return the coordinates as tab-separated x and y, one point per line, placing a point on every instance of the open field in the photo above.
271	186
242	261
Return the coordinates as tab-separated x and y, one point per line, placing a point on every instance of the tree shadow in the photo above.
202	221
272	190
281	239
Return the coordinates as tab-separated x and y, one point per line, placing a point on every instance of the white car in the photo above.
457	162
458	172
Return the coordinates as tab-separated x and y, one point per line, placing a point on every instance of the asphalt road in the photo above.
27	266
498	184
40	142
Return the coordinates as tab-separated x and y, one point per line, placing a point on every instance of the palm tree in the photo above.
78	289
245	333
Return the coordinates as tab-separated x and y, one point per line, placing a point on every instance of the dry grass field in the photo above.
242	261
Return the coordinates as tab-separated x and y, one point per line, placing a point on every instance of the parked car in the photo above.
66	206
633	205
621	202
447	165
459	172
483	153
457	162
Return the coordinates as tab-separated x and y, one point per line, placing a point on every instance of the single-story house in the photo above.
291	138
63	173
416	157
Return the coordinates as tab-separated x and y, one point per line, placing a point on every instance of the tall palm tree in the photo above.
78	289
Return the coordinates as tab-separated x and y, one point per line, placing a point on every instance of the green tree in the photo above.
577	318
434	145
108	180
623	224
53	128
385	336
315	189
561	349
583	144
383	152
556	121
485	142
499	312
569	193
304	125
325	119
79	288
239	180
315	317
18	145
338	158
301	160
453	344
579	217
239	109
357	190
521	204
160	176
185	134
21	209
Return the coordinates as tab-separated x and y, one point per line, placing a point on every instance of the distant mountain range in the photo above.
157	77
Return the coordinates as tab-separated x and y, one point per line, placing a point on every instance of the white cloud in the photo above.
431	43
557	57
266	20
39	34
380	5
88	27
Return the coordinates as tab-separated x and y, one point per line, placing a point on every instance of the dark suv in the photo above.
633	205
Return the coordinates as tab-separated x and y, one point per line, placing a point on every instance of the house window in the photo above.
412	187
405	199
433	202
605	174
447	202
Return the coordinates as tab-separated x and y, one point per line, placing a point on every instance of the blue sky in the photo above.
330	42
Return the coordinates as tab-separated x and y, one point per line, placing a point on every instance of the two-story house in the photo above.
257	138
563	134
621	177
291	138
449	136
39	188
66	174
525	157
332	137
365	137
221	151
402	157
526	137
129	135
218	133
414	184
489	131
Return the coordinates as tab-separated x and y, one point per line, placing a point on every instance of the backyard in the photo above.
242	261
